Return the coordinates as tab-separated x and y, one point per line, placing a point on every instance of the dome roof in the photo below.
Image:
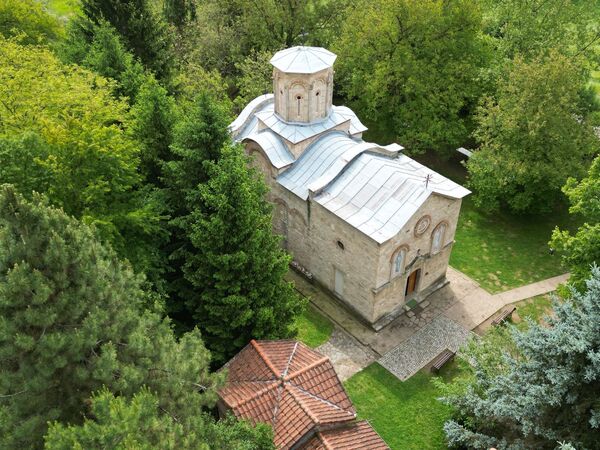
303	59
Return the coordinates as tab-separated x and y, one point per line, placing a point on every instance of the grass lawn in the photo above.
535	308
406	414
314	329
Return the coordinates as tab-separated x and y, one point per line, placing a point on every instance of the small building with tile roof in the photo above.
296	390
372	225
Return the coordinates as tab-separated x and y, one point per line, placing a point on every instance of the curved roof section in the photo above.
325	157
274	148
378	195
303	59
288	385
246	117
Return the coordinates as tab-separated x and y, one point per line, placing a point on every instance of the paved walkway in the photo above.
460	306
417	351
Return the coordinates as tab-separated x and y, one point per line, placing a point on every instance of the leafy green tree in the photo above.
255	78
117	422
547	394
413	67
582	249
143	31
533	136
237	266
225	32
28	20
81	157
73	318
104	54
153	117
179	12
532	28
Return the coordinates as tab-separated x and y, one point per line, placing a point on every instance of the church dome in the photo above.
303	59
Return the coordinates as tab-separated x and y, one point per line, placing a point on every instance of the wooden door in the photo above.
411	283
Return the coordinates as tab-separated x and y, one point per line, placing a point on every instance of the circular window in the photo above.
422	225
340	244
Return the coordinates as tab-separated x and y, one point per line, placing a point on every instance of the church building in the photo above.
372	225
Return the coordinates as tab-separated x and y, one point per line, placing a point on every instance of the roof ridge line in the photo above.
321	399
265	358
304	408
287	367
306	368
256	394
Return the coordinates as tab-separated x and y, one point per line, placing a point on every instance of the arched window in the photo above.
299	99
437	238
398	260
318	103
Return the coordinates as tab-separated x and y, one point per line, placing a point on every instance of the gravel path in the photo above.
417	351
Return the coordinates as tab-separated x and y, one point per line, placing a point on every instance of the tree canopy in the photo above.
413	67
548	392
533	136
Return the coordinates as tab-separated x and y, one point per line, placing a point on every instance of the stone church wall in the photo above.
390	291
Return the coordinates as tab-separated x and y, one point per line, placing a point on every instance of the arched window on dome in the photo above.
437	238
299	101
398	261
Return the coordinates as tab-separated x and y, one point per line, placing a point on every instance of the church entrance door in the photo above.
411	283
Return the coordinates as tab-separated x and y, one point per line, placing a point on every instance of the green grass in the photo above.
314	329
535	308
406	414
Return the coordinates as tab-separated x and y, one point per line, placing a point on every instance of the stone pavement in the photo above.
418	350
354	345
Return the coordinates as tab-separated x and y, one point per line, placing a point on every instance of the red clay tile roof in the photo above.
288	385
358	436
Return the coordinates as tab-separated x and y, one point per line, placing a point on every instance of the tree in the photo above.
79	152
28	20
413	67
225	32
533	28
179	12
533	136
138	423
73	318
153	117
237	266
255	78
547	394
198	137
104	54
142	30
582	249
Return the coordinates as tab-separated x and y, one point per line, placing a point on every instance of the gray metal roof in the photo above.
246	120
297	132
378	195
303	59
274	148
326	157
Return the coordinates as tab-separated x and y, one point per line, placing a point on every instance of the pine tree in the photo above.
72	319
197	138
237	266
139	424
178	12
549	390
142	30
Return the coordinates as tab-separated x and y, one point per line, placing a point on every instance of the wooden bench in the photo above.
504	315
442	359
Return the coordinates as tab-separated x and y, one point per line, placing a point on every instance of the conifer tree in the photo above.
139	424
237	265
547	392
142	30
72	319
197	138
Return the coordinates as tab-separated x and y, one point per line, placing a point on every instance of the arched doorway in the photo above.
412	283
